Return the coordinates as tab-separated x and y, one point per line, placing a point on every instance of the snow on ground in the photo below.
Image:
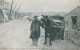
15	35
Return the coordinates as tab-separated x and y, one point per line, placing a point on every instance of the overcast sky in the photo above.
48	5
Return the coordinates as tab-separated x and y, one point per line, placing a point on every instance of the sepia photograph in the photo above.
39	24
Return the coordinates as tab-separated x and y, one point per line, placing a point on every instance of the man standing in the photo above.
35	31
74	21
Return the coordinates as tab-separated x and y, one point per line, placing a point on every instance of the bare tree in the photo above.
10	15
13	10
2	1
17	11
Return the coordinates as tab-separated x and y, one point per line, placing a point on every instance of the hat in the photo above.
35	16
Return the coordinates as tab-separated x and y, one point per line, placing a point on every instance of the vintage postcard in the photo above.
39	24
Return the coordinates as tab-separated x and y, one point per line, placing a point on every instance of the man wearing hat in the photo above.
35	31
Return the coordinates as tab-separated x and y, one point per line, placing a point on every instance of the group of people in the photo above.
35	30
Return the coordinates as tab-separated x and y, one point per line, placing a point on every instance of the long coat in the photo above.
35	29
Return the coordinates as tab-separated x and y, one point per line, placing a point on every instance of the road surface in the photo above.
15	35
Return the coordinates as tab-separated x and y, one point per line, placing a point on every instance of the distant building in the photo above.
57	16
74	12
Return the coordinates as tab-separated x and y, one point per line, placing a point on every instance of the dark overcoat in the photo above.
35	29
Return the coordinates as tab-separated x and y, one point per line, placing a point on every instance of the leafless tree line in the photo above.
13	10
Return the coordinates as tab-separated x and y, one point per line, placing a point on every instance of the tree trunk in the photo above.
10	15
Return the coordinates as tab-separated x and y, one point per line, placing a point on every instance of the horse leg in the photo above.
50	37
46	35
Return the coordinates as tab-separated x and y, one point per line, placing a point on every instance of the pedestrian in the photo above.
74	21
35	31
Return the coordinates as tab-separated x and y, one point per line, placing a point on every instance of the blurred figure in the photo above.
74	21
35	31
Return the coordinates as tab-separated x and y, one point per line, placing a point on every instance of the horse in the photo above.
48	29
